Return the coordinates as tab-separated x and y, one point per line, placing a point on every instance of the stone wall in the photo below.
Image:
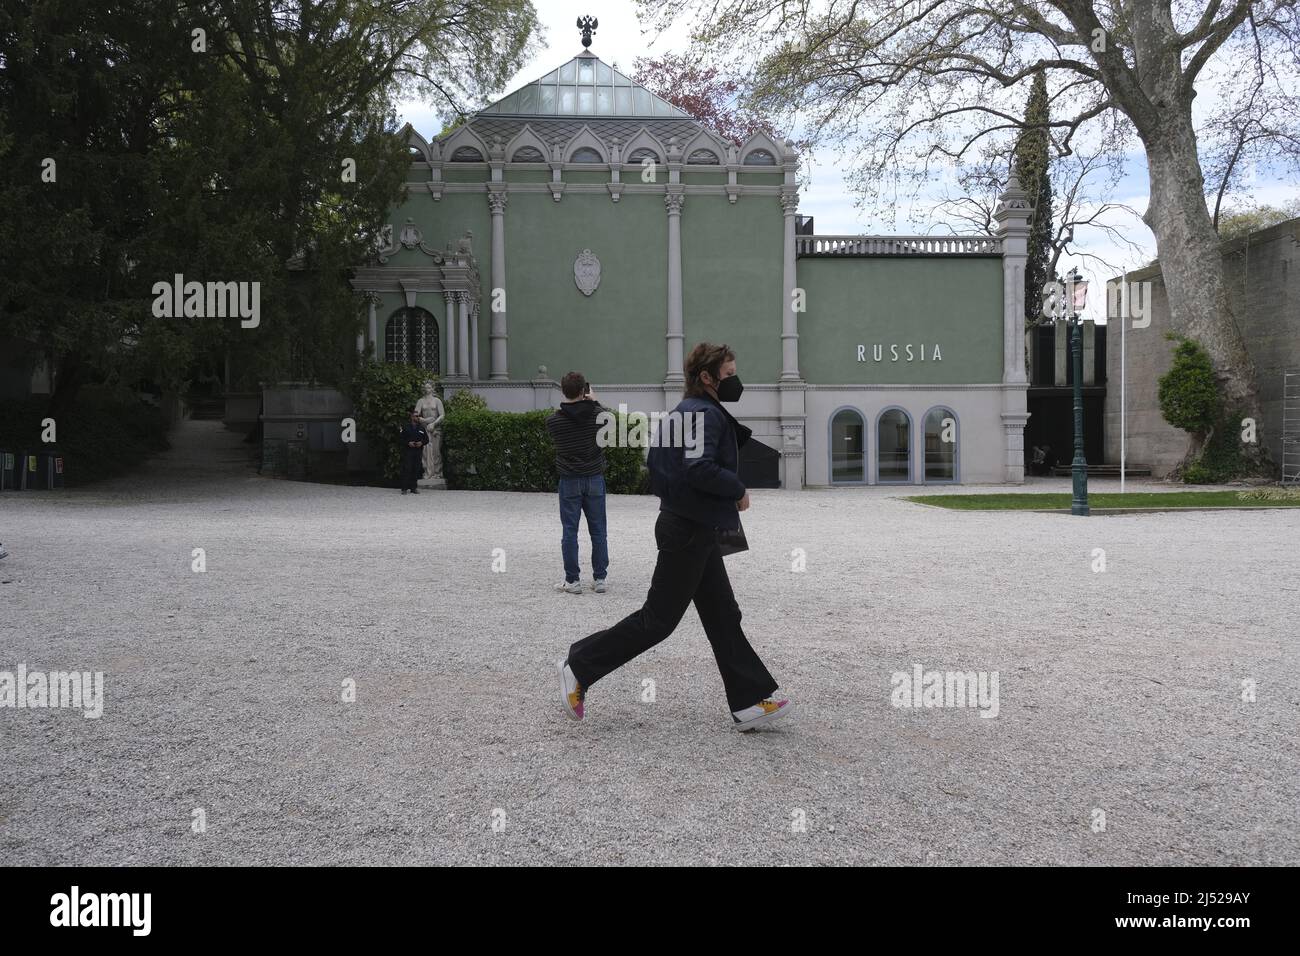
1263	273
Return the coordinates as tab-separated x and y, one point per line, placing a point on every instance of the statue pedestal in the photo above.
438	484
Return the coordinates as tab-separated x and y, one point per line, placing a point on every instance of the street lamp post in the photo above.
1078	295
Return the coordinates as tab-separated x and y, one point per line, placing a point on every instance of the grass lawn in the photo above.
1032	502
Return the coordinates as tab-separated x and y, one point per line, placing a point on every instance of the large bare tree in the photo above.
912	86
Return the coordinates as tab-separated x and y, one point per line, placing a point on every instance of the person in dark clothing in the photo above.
700	493
412	445
581	464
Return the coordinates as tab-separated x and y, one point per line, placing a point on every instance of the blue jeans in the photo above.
580	496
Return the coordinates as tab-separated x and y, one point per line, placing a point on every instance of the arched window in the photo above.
466	154
528	154
759	157
417	154
586	155
411	337
702	157
642	154
940	445
848	447
893	446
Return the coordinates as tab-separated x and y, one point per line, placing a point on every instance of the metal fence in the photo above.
1291	426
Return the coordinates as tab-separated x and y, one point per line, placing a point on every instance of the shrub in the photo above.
466	401
104	433
1189	393
512	451
382	394
1221	459
1190	400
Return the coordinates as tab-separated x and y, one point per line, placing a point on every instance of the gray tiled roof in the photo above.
562	130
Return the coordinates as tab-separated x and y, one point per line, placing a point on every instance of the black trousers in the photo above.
689	569
412	467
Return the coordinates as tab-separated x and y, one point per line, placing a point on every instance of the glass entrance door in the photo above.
848	447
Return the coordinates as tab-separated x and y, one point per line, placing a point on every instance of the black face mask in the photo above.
729	389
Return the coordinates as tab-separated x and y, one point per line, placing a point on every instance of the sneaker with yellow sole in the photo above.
572	693
764	712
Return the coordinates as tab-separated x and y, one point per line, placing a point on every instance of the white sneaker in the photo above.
764	712
598	585
572	693
570	587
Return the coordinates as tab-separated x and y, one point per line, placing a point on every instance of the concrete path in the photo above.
1121	735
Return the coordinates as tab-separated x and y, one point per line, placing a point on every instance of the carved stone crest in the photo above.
410	235
586	272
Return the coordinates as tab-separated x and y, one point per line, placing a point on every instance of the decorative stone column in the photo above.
462	335
673	201
374	326
473	341
789	317
500	370
450	299
1012	215
792	388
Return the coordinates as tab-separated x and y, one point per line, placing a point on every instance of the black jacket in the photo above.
706	488
412	433
573	429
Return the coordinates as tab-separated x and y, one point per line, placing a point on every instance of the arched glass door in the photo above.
940	445
848	447
893	447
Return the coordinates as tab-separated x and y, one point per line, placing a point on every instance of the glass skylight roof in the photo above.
585	86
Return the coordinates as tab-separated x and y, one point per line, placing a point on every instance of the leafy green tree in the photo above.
1236	223
215	140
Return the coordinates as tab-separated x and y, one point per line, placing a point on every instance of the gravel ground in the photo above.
1119	692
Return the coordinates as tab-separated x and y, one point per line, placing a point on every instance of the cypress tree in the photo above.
1032	155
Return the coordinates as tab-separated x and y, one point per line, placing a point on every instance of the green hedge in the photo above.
383	394
512	451
105	432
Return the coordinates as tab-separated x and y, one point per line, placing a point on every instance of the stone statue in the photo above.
431	413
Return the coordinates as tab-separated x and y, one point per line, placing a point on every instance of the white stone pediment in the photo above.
705	139
763	141
465	136
413	138
643	140
526	137
588	139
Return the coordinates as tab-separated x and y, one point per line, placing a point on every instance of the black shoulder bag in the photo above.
733	542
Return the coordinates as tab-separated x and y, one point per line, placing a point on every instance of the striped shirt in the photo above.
573	430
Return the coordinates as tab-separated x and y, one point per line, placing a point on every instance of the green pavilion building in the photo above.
582	223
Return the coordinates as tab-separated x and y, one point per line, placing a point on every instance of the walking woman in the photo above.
700	496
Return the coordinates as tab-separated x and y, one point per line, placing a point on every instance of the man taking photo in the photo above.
581	464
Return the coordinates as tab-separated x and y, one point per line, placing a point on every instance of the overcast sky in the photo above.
619	40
